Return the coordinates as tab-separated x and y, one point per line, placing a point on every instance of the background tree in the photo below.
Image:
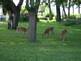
69	4
77	2
64	3
58	16
50	12
13	9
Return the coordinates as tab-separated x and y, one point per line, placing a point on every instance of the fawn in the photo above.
21	29
48	31
63	34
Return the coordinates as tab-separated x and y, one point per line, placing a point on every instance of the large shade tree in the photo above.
10	6
32	7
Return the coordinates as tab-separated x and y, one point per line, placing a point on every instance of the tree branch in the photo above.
20	3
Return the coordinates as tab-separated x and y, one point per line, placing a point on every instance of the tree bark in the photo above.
16	19
73	9
32	27
10	20
58	17
13	22
16	11
32	16
69	1
79	9
64	10
50	16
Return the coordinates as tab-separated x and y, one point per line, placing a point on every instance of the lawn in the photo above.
14	46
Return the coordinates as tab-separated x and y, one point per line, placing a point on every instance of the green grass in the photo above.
14	46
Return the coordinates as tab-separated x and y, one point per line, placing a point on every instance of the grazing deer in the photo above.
48	31
63	34
21	29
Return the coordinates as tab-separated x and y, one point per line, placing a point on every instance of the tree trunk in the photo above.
10	20
37	19
73	9
79	9
69	1
10	24
32	27
16	11
68	11
32	7
58	17
16	19
64	11
13	22
50	13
